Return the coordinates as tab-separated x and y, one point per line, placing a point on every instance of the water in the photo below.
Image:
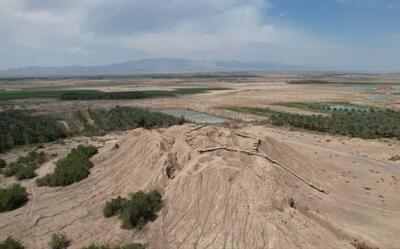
396	88
379	97
363	88
196	117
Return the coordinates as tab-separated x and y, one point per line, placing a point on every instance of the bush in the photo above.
11	243
59	241
12	198
126	246
3	163
131	246
11	169
114	206
136	211
33	159
24	167
93	246
26	172
73	168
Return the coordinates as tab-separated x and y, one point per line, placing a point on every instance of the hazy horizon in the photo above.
337	35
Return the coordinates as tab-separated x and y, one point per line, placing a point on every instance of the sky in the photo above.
358	35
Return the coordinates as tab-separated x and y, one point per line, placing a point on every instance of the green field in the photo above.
97	95
12	95
197	90
263	112
327	106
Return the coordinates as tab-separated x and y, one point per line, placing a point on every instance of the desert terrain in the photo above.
243	183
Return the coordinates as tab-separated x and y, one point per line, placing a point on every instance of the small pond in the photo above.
396	88
196	117
379	97
363	87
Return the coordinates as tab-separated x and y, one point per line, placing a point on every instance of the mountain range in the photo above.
147	66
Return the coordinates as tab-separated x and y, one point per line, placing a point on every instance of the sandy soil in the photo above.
240	194
251	89
257	186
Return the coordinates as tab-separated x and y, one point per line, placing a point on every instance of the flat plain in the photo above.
243	183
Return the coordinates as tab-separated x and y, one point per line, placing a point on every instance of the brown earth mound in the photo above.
221	189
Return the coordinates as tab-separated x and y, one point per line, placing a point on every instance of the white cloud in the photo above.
102	31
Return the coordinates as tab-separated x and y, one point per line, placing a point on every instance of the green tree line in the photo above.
368	124
19	128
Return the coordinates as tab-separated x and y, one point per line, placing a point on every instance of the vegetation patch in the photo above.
367	123
59	241
310	81
23	94
115	95
11	243
73	168
97	95
264	112
324	82
198	90
19	128
124	246
100	121
3	163
24	167
135	211
326	107
12	198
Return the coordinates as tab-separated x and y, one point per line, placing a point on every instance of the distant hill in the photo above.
147	66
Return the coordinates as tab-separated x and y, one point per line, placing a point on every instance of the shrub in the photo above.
136	211
11	169
125	246
93	246
59	241
24	167
114	206
131	246
3	163
33	159
73	168
25	172
11	243
12	198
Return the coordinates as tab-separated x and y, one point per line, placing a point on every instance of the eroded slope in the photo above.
221	189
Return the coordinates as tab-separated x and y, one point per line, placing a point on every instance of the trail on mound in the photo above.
221	189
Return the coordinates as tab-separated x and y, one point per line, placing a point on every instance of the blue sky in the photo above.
350	19
323	34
